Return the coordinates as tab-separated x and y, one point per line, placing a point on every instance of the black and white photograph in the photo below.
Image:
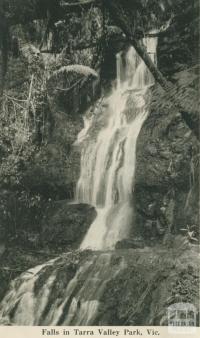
99	167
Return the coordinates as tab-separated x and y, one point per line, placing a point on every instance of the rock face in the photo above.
61	227
167	168
151	281
65	225
166	179
51	173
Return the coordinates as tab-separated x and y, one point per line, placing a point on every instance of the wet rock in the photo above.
133	243
131	287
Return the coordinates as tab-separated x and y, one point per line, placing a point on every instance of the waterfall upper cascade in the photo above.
56	293
108	162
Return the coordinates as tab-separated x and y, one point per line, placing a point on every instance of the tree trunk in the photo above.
189	115
29	10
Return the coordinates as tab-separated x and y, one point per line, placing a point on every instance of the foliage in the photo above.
26	123
55	54
24	120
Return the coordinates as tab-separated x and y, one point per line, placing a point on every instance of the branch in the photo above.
30	92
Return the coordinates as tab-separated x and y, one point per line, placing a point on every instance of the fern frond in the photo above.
79	69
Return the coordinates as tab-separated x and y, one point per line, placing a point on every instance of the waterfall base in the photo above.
123	287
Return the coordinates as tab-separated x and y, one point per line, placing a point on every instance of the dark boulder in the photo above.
65	225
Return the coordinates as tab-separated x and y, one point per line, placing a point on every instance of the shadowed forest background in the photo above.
57	60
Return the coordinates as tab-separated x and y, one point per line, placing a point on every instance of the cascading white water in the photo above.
106	181
108	162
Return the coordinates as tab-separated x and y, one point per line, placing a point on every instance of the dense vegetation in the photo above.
57	59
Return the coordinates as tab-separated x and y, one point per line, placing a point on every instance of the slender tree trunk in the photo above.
4	32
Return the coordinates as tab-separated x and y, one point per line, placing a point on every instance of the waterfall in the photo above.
50	294
108	162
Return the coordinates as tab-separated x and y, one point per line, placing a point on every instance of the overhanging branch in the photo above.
190	116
